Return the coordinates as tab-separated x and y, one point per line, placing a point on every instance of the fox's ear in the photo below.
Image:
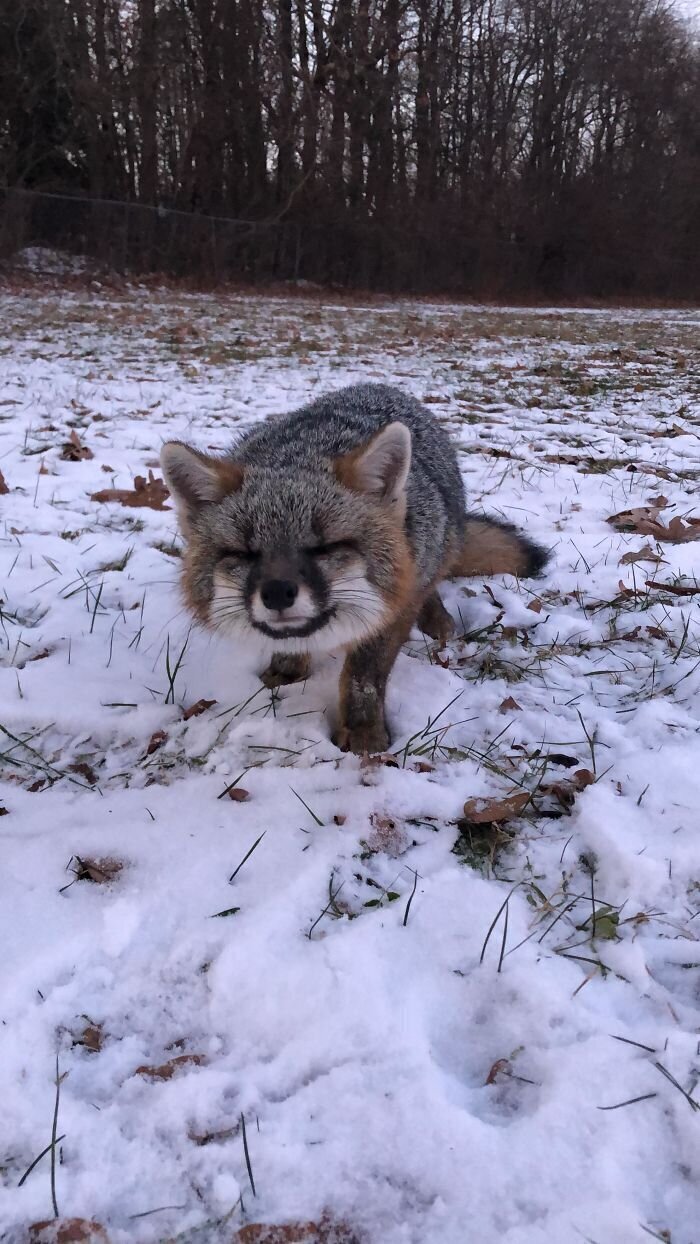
194	478
379	468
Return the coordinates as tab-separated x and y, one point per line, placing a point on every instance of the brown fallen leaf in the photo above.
99	871
73	449
378	760
676	589
157	739
501	1065
583	778
67	1231
339	818
3	485
535	606
210	1138
509	705
238	794
679	531
196	710
674	430
482	811
84	769
3	810
91	1038
566	789
151	493
645	554
325	1231
166	1071
645	521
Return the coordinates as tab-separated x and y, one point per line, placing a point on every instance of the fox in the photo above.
328	529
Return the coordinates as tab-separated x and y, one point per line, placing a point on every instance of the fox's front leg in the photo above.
361	721
286	667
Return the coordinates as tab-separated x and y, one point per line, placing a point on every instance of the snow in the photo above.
361	1044
47	261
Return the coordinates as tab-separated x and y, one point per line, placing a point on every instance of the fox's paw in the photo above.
435	621
367	738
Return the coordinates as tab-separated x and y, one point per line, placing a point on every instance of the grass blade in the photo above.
247	856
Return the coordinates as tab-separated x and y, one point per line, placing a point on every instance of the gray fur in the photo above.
329	528
310	438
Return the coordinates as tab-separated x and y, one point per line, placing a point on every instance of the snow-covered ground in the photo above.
397	1069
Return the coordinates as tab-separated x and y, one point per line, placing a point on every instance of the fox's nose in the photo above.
278	594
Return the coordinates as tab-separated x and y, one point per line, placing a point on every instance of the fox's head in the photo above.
307	559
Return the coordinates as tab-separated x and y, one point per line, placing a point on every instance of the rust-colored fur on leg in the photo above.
491	547
361	722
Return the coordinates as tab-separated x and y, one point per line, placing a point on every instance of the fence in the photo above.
331	246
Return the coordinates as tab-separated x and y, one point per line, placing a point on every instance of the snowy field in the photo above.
281	985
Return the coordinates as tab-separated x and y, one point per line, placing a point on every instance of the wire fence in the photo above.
332	245
323	244
136	237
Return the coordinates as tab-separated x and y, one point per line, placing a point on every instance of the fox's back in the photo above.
309	439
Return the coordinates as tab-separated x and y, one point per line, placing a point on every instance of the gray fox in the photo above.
330	528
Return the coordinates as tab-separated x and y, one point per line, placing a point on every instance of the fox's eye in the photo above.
241	555
334	546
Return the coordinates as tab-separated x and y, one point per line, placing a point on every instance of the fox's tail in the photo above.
493	547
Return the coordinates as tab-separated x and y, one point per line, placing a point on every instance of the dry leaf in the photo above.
680	531
676	589
196	710
674	430
99	871
166	1071
509	705
645	554
208	1138
376	761
535	606
500	1065
238	794
645	521
83	768
157	739
323	1232
3	810
152	493
566	790
339	818
73	449
482	811
67	1231
92	1038
583	778
423	766
3	485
